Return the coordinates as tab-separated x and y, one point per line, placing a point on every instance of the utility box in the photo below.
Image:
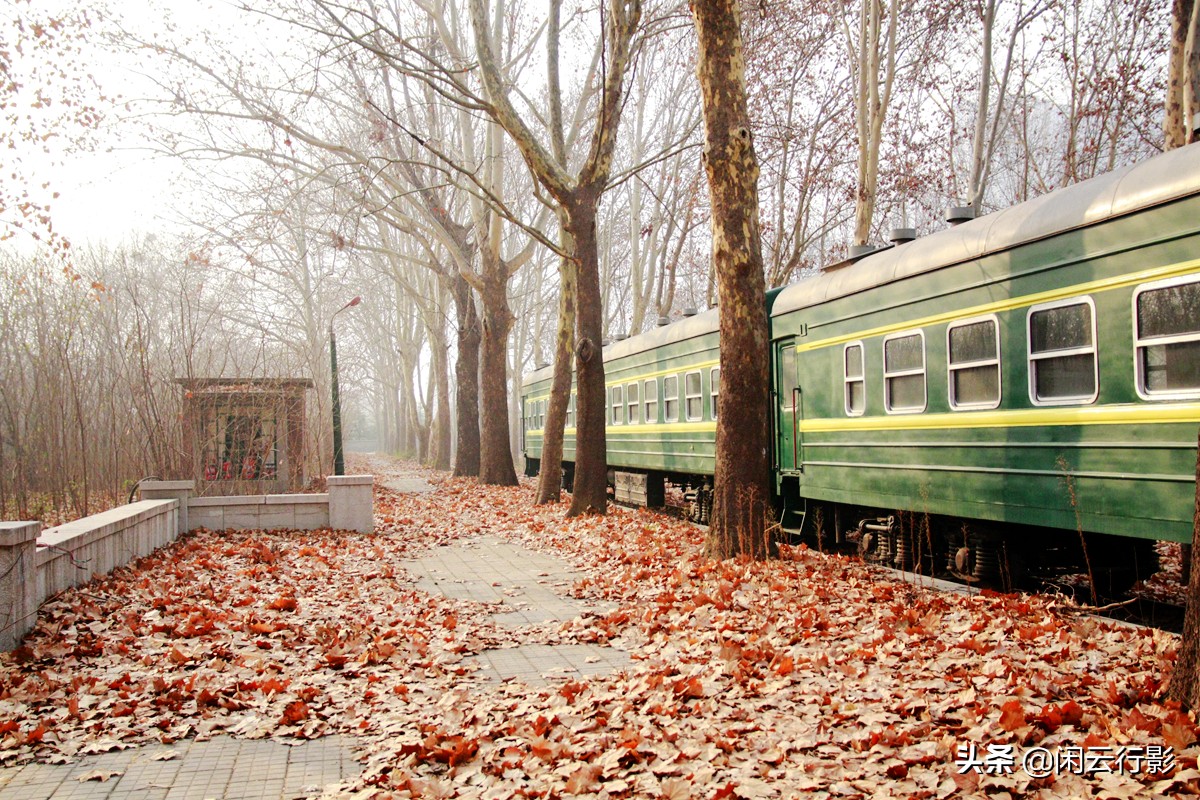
639	489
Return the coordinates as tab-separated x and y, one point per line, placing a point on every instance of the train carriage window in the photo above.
633	403
973	362
542	414
1062	353
617	404
904	373
671	398
1167	339
855	380
693	396
650	399
571	412
714	387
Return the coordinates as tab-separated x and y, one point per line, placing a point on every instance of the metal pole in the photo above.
339	457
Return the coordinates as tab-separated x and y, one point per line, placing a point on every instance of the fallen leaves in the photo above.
808	674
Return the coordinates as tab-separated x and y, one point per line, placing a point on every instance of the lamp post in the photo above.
339	458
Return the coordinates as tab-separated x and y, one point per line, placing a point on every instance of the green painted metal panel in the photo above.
1125	473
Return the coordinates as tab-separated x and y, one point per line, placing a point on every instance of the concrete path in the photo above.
405	485
533	588
536	588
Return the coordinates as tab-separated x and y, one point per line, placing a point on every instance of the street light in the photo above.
339	458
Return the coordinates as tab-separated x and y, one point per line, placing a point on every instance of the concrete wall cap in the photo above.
16	533
234	500
167	486
349	480
297	499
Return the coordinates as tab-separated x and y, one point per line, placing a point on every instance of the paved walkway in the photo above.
222	768
406	485
533	588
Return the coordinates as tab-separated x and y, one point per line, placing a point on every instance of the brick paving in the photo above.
533	588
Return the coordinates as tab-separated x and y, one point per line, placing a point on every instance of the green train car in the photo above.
662	392
979	400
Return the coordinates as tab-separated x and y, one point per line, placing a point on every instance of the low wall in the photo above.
36	565
348	506
304	512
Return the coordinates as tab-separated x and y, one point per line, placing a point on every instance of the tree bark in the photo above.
550	475
1185	678
1182	74
741	501
876	49
495	457
441	375
590	495
466	375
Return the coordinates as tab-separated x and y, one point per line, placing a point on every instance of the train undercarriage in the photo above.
994	555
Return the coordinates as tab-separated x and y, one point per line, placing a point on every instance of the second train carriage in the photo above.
1016	380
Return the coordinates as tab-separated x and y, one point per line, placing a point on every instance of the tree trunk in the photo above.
741	499
441	376
1185	678
1181	74
550	476
590	494
495	458
466	374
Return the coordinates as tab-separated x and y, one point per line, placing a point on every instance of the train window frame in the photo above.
649	400
1140	342
888	377
616	404
542	414
951	367
633	403
714	389
671	399
571	411
847	378
688	396
1031	358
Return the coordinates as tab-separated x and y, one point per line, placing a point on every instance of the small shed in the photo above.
246	435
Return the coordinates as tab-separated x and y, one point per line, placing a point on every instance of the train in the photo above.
989	401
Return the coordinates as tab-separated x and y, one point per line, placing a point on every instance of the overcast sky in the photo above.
120	189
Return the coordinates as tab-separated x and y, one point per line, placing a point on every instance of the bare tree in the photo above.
577	197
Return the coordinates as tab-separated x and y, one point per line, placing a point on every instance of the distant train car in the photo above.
978	400
662	401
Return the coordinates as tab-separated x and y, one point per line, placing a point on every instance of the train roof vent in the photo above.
902	235
858	251
605	342
664	321
690	311
620	337
957	215
542	364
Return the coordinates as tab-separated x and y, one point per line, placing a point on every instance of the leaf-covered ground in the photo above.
809	675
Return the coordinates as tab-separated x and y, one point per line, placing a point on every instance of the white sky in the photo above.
120	189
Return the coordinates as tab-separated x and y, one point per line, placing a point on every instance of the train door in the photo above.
787	396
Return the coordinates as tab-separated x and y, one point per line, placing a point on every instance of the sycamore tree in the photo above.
742	498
